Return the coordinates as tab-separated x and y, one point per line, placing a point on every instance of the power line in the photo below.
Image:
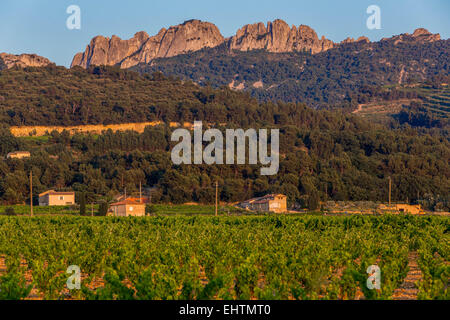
217	192
31	193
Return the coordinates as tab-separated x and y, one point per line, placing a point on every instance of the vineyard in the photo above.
225	257
434	101
437	100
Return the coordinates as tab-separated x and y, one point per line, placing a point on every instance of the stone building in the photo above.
269	203
401	208
54	198
127	208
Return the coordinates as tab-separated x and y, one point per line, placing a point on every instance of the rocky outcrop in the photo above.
351	40
8	61
109	51
190	36
194	35
420	35
277	36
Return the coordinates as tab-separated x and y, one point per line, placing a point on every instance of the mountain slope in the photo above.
335	77
276	61
8	61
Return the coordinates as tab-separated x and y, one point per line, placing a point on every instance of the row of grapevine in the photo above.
261	257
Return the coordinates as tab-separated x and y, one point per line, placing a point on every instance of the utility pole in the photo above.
390	190
140	192
92	209
217	193
31	192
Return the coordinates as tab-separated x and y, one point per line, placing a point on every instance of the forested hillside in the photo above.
107	95
319	162
425	105
101	95
325	154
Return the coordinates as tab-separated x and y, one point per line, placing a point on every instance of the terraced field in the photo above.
435	101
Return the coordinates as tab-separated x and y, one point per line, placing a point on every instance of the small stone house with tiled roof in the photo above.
401	208
55	198
127	208
270	203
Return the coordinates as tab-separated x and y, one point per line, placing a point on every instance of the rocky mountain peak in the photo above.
190	36
425	35
8	61
352	40
193	35
420	35
420	32
278	36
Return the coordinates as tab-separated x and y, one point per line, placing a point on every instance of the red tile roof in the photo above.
126	202
264	199
57	193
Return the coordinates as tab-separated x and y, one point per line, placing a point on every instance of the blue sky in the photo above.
39	26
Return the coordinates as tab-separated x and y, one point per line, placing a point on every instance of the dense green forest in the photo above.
59	96
105	95
337	77
319	162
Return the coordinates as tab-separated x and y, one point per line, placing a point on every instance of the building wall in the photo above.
408	208
136	210
401	208
279	205
43	201
119	211
128	210
56	200
260	206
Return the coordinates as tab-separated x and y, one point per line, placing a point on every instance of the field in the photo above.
37	210
381	111
190	210
154	210
436	101
42	131
226	257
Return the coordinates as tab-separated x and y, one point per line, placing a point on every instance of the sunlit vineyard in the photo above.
204	257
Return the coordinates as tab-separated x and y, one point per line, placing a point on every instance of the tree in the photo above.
150	209
82	204
103	209
313	201
10	211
